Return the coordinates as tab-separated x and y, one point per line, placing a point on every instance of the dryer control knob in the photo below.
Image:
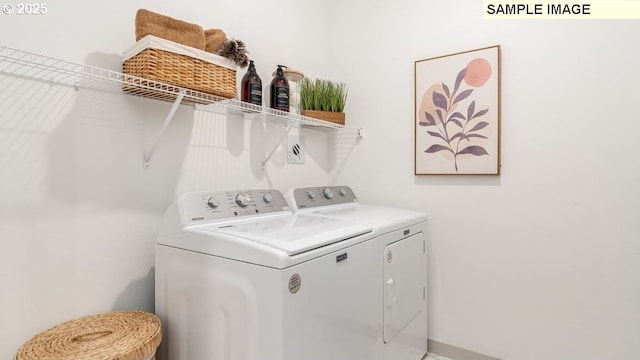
328	193
267	197
242	200
343	192
311	195
212	202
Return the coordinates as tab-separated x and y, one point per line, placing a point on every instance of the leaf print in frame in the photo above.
457	113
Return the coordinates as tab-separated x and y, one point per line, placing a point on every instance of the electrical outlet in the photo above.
295	149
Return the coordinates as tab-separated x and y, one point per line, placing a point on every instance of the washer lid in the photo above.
383	218
292	234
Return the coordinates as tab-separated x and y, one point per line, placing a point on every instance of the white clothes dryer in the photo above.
240	276
401	258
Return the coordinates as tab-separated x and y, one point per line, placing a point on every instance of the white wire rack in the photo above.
30	66
237	107
26	65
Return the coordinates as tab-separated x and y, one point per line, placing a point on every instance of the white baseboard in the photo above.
455	353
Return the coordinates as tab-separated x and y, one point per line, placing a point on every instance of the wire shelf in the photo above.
18	63
237	107
31	66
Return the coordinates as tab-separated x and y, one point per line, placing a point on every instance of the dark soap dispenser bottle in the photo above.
252	86
280	91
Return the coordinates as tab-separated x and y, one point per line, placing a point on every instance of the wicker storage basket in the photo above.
118	335
164	61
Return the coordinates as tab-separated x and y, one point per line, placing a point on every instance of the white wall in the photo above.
542	261
78	213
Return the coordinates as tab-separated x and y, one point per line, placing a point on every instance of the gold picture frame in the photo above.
457	113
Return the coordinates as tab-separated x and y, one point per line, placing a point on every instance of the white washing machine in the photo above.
240	276
401	258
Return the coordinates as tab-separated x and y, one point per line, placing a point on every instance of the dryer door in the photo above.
405	281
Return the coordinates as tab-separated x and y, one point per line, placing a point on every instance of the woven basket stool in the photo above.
117	335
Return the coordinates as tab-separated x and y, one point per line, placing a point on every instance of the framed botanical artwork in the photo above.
457	113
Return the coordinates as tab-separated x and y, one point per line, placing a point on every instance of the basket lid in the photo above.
117	335
294	72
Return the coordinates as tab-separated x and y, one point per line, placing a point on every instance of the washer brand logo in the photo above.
341	257
295	281
197	218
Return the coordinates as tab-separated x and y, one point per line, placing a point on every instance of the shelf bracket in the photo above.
167	120
284	136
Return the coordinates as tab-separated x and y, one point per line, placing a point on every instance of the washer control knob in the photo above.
328	193
212	202
242	200
267	197
311	195
343	192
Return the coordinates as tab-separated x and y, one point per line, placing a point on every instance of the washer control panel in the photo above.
312	197
206	206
